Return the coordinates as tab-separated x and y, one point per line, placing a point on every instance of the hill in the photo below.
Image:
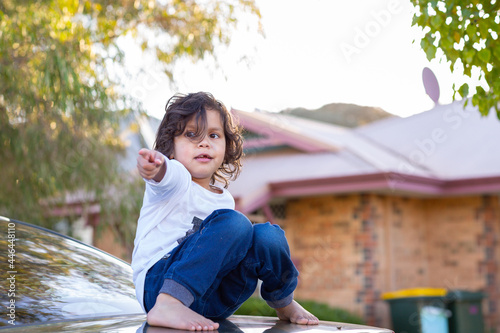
348	115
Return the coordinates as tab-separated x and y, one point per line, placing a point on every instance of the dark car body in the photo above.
54	283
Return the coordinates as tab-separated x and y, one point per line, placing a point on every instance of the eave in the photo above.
388	183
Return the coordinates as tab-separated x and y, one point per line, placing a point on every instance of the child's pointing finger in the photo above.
146	154
158	159
158	162
152	156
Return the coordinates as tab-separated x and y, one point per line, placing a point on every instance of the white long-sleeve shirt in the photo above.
172	209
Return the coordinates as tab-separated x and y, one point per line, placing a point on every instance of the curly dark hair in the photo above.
180	109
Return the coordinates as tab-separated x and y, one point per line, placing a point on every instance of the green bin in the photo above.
418	310
466	311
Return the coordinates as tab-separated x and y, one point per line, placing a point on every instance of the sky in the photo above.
313	52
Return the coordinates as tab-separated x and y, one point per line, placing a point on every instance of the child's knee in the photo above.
269	236
234	223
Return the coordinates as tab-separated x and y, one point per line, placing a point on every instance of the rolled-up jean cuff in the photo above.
178	291
281	303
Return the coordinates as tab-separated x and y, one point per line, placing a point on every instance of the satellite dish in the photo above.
431	84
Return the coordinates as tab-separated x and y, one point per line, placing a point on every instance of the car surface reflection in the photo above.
52	277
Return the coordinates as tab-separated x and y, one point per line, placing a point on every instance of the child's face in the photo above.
201	158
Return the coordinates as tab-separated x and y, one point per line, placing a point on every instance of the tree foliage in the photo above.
467	33
60	107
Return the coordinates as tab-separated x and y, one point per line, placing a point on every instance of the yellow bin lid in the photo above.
415	292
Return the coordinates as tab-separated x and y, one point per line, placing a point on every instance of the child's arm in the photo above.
151	164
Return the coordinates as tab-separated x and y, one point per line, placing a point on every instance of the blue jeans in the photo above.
216	269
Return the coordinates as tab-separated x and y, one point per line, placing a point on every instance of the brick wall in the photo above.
452	234
335	241
488	217
406	239
350	249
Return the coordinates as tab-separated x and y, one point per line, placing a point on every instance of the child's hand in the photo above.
150	163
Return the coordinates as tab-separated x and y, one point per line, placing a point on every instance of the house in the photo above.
399	203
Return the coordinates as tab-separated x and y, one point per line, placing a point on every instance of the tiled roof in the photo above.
445	151
449	141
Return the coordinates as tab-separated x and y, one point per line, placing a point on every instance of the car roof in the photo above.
234	324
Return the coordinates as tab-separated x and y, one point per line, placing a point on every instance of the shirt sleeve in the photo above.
176	179
159	194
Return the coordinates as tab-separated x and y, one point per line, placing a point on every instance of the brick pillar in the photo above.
487	214
366	242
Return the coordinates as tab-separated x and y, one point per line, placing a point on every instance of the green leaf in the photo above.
430	52
475	100
424	43
437	21
453	55
484	26
484	55
480	91
483	107
468	70
471	31
415	19
468	55
446	42
496	52
464	90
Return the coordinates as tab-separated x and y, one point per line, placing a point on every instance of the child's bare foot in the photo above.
170	312
295	313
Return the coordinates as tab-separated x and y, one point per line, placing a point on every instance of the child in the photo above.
195	257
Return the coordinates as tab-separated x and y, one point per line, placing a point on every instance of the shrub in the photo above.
257	307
